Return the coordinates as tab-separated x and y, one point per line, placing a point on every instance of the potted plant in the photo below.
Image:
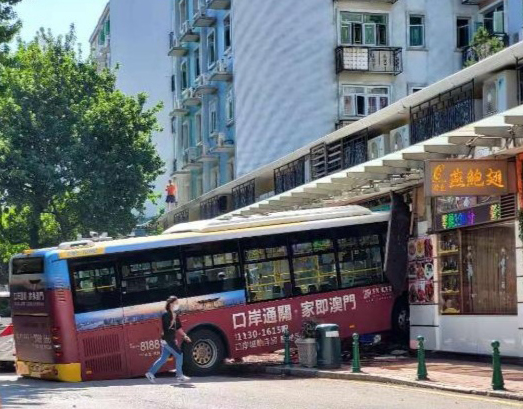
306	344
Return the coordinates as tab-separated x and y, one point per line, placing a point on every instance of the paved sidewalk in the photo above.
445	374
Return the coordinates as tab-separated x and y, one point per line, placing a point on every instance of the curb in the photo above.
326	374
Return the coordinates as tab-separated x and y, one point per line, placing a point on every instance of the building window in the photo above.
416	31
462	32
230	170
214	177
185	136
359	100
363	29
213	117
173	125
493	20
227	33
184	74
198	127
211	48
182	7
229	105
195	6
197	65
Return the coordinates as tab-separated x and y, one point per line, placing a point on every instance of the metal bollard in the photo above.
497	375
422	367
287	341
356	366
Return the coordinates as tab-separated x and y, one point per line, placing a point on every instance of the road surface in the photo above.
231	393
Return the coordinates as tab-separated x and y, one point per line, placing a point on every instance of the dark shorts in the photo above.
170	199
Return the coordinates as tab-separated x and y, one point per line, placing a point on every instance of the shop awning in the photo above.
401	169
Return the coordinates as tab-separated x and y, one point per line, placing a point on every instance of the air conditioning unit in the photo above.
188	93
220	141
178	104
192	154
399	138
500	92
221	65
185	27
199	80
378	147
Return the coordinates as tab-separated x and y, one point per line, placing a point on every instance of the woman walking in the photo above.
171	325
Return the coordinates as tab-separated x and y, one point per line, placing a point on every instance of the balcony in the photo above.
204	155
176	49
289	176
472	2
202	19
178	109
177	170
190	157
472	54
203	86
187	34
222	71
189	98
244	194
219	4
385	60
223	145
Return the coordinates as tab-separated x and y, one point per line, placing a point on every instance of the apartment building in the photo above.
132	35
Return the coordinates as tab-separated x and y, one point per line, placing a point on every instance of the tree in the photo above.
9	24
73	149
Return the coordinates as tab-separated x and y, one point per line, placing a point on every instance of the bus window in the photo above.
212	268
360	260
266	268
151	276
313	263
5	310
94	286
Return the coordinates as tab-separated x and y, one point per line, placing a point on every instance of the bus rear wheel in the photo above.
205	354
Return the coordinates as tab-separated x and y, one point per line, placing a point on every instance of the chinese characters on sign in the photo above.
465	177
489	212
28	298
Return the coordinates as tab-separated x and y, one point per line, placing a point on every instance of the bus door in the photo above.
148	278
99	318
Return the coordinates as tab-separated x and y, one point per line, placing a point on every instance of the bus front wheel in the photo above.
205	354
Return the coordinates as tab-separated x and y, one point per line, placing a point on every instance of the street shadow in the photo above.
184	385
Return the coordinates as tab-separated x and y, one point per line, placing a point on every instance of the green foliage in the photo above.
483	45
9	24
76	154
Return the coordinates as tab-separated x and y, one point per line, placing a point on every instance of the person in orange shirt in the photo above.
171	195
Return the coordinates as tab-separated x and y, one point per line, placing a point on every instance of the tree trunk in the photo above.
34	230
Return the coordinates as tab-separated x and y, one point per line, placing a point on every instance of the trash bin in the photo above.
329	346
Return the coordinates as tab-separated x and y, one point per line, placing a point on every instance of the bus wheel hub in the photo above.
202	353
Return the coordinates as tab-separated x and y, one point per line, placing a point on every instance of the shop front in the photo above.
473	207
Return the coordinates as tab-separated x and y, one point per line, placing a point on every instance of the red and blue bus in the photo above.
90	310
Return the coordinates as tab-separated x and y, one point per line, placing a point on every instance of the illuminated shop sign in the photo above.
466	177
486	213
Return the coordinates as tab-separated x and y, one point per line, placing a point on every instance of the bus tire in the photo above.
401	319
205	354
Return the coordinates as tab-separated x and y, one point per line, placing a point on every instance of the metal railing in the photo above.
181	217
386	60
338	155
213	207
446	112
289	176
244	194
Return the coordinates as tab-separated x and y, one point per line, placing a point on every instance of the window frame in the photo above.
211	49
184	74
227	34
363	26
366	98
469	31
229	105
183	17
197	62
421	25
213	116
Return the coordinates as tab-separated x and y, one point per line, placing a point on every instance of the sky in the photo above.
58	16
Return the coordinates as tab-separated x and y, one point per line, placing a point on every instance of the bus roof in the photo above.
226	229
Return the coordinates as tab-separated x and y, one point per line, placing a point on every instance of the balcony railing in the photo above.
338	155
213	207
470	54
472	2
386	60
289	176
244	194
446	112
181	217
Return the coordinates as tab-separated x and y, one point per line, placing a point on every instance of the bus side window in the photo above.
212	268
266	268
313	262
95	287
151	276
360	259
